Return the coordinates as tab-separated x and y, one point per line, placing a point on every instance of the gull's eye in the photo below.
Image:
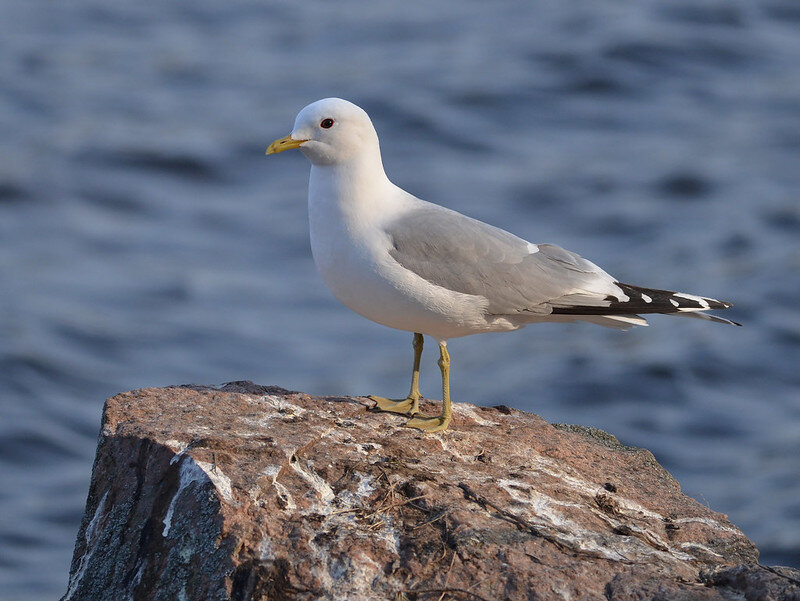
326	123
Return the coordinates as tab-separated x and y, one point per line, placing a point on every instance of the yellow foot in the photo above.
407	406
429	424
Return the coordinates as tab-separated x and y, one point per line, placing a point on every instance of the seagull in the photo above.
419	267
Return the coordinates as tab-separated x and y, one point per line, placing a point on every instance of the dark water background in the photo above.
145	240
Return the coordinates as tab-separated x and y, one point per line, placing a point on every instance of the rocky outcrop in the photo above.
256	493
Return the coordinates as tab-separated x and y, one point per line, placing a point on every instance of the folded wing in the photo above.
518	278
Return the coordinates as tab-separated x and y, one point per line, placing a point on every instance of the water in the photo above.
145	240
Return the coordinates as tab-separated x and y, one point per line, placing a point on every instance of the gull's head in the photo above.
330	131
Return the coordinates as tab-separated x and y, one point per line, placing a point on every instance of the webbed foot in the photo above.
406	406
429	424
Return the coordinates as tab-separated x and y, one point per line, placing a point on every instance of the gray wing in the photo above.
468	256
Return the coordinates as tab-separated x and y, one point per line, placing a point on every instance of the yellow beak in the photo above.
282	144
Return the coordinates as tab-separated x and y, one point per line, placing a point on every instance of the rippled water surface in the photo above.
145	240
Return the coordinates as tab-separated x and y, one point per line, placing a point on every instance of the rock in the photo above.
256	493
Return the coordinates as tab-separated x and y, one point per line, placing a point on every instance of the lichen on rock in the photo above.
248	492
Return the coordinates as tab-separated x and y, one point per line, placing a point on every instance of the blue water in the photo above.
145	240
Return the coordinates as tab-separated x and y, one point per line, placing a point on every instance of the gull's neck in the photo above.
357	189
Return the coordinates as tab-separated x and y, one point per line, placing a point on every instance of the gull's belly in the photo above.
358	269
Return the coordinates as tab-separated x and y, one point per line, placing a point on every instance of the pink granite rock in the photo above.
256	493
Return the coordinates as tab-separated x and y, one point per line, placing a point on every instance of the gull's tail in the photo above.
650	300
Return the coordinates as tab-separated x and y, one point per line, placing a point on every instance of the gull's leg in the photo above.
410	404
440	422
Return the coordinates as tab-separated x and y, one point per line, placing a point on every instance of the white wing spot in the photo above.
674	302
698	299
646	298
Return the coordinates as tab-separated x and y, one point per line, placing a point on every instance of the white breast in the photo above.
350	250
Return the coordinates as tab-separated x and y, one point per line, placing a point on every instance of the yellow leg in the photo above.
440	422
410	404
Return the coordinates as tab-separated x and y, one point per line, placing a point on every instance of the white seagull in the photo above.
416	266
